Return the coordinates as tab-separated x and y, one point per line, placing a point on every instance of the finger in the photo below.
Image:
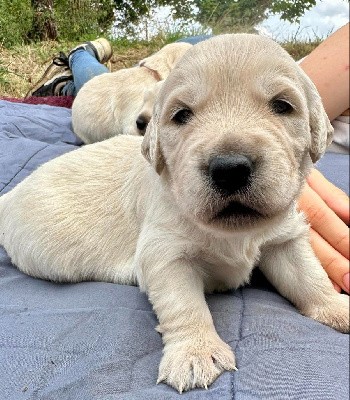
336	265
324	221
335	198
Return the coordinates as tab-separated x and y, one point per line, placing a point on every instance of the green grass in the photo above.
4	76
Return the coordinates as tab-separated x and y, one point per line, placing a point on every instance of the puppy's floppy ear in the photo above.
158	64
150	147
320	128
165	59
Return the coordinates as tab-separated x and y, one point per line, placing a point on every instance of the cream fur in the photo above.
109	104
104	213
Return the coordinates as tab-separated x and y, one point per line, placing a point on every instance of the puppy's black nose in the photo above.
142	122
230	173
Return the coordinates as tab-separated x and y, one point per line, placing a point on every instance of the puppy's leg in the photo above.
297	274
193	355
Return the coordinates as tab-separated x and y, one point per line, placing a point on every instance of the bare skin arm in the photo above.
326	206
328	68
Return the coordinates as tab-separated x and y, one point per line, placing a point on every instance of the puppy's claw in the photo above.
160	379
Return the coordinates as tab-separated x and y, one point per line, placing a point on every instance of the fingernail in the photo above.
346	281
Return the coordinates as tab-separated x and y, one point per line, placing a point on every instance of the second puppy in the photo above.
109	104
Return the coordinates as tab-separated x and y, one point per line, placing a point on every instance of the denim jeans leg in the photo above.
84	67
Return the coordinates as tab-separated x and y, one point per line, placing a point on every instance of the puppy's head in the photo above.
235	130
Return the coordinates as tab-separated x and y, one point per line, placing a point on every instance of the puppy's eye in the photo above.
280	106
182	116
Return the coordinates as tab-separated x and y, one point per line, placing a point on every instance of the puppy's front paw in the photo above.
195	362
334	314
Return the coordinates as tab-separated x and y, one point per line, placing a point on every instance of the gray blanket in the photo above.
96	340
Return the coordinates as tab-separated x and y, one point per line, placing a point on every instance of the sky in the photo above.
323	19
326	17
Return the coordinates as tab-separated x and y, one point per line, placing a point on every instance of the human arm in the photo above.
326	206
328	67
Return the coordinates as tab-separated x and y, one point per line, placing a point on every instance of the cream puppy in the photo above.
109	104
235	130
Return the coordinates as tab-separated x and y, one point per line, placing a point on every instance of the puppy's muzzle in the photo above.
230	174
141	123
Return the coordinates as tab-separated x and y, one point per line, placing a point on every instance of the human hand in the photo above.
327	209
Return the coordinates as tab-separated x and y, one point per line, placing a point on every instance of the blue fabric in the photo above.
195	39
336	167
30	138
96	340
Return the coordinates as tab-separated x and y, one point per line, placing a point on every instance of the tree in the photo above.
243	15
132	12
219	15
71	19
26	20
231	15
291	10
80	19
16	18
21	20
44	24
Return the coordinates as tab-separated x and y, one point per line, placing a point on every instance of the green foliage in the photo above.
78	19
243	15
291	10
15	21
131	13
219	15
3	75
27	20
231	15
